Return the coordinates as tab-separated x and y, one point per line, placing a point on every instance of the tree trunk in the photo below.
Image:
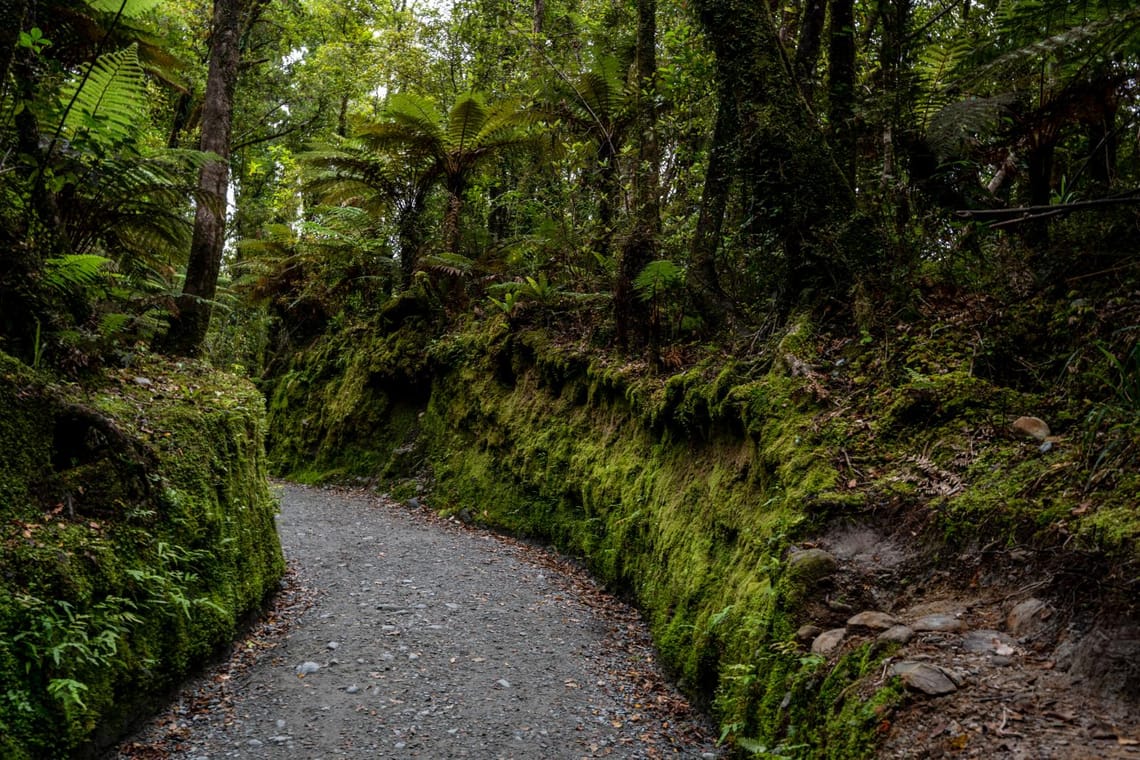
841	86
189	325
808	44
704	286
632	316
409	223
789	183
608	193
1101	135
16	12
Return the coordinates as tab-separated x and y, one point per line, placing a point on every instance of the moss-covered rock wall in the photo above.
702	493
685	494
136	532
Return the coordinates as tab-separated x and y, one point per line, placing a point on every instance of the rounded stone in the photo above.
1032	427
898	634
807	633
940	623
918	676
828	641
1028	617
811	565
876	621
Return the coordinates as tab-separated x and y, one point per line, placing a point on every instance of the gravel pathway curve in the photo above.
402	635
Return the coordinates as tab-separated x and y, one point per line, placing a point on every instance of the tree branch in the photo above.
1003	217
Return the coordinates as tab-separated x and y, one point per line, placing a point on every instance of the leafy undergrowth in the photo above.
689	490
136	531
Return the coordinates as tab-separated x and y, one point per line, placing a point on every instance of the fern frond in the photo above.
108	105
465	122
657	277
415	113
453	264
74	273
960	122
128	8
933	72
1110	32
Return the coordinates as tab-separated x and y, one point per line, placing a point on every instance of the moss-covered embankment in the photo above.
692	492
136	531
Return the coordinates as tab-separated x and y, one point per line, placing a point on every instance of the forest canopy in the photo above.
668	172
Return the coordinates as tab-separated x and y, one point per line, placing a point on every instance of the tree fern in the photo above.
107	102
933	71
1077	38
453	264
966	121
656	278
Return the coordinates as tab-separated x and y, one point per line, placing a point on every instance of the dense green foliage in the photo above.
671	284
136	533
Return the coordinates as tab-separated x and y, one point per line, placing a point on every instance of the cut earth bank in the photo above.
136	537
839	558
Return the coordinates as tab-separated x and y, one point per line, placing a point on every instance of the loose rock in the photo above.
1028	617
899	634
811	565
987	642
828	641
807	633
1032	427
876	621
307	667
924	678
940	623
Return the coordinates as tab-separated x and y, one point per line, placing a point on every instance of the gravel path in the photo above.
401	635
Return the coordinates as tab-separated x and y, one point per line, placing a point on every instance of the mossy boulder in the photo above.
136	532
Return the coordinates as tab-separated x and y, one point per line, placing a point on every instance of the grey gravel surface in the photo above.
403	635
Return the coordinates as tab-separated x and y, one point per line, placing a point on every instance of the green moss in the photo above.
139	533
686	491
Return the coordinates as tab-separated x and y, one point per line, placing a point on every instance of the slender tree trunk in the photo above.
16	12
189	325
608	193
409	223
1102	147
632	316
1039	171
451	219
808	45
342	117
704	285
841	86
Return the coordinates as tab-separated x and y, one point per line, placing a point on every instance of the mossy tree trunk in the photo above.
791	187
632	316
